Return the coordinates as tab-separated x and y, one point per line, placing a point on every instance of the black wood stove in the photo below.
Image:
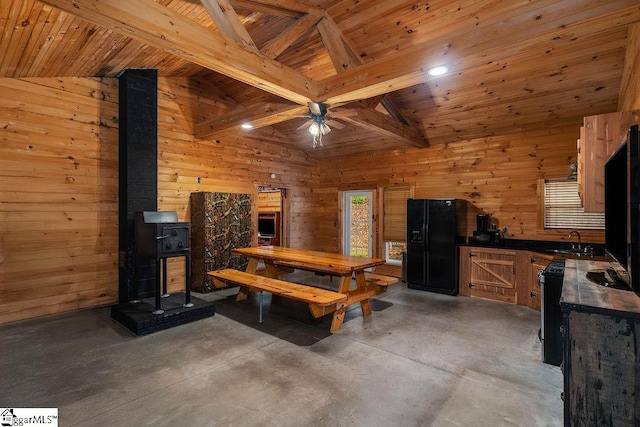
161	236
158	236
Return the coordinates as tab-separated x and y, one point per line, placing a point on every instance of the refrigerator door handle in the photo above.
425	236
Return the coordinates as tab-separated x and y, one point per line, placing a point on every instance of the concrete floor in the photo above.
421	359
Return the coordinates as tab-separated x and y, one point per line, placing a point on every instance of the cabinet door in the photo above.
464	274
538	262
581	162
599	138
492	274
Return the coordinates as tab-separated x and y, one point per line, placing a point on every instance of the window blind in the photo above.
395	214
563	208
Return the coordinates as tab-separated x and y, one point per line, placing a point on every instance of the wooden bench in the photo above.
379	279
303	266
279	270
372	278
321	301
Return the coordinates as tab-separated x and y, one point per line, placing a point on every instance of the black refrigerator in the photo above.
432	238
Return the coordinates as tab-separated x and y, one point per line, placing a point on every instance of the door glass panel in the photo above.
357	223
393	252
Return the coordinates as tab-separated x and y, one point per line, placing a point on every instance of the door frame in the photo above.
372	193
284	212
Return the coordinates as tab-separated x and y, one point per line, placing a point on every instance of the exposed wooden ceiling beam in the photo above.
391	107
227	21
336	48
500	35
158	26
386	125
279	7
343	57
374	102
266	9
259	115
279	44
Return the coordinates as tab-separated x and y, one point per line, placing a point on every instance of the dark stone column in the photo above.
138	174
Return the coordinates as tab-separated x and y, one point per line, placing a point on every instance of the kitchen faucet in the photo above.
579	248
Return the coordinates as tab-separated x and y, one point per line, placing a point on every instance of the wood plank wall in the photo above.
498	175
59	185
231	164
58	191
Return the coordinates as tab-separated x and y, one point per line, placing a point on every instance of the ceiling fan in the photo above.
319	121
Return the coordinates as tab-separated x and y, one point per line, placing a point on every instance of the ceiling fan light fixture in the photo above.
318	127
314	128
440	70
246	126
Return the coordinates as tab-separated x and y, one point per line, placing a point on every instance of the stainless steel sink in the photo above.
567	251
574	253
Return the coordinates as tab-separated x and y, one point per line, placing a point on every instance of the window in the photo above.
563	209
394	232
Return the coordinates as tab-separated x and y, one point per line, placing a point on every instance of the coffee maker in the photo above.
486	231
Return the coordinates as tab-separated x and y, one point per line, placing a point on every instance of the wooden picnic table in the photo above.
343	266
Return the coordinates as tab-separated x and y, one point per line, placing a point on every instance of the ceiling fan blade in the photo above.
318	108
314	107
344	112
293	116
305	124
334	123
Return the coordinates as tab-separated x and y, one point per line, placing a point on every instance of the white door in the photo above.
357	223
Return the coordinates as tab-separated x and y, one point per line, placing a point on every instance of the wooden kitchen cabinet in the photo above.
600	137
502	274
488	273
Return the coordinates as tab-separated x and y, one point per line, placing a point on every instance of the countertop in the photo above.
578	292
542	246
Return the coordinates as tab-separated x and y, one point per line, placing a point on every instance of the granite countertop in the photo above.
543	246
580	292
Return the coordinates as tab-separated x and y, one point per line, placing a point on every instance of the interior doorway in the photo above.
272	223
357	223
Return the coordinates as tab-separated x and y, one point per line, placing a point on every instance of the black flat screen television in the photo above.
615	205
621	204
267	226
633	232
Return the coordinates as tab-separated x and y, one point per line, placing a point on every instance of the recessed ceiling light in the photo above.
438	71
246	126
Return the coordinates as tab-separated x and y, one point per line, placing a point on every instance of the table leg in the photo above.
252	267
361	282
338	315
270	269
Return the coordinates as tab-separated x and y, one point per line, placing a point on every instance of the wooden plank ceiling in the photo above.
513	65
